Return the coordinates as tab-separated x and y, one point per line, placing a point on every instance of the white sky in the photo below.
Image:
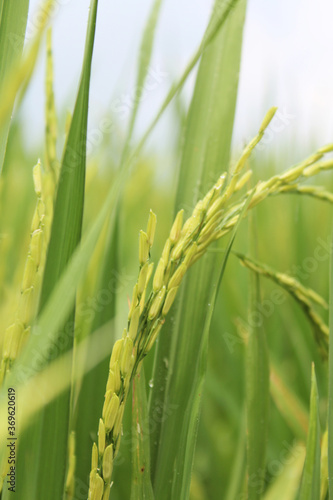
286	61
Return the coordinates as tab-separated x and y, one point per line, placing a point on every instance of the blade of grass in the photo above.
324	466
239	465
310	484
51	125
65	236
141	484
178	359
13	22
257	398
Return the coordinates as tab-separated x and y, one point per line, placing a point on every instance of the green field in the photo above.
164	332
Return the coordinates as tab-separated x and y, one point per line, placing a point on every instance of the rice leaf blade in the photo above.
310	484
146	49
141	484
257	399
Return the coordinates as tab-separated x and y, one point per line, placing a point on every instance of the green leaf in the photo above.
141	484
65	236
310	485
181	353
238	469
257	399
13	21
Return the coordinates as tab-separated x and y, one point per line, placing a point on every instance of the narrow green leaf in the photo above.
51	125
310	485
37	482
324	466
141	484
257	400
238	469
13	21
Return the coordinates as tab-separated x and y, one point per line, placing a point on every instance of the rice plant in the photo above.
139	360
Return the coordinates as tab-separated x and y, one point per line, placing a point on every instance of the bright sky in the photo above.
286	61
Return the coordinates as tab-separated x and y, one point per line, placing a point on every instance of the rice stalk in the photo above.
185	245
317	192
310	167
146	317
51	125
45	181
52	166
17	334
303	295
70	480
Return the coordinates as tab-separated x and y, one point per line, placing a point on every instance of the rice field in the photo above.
160	339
